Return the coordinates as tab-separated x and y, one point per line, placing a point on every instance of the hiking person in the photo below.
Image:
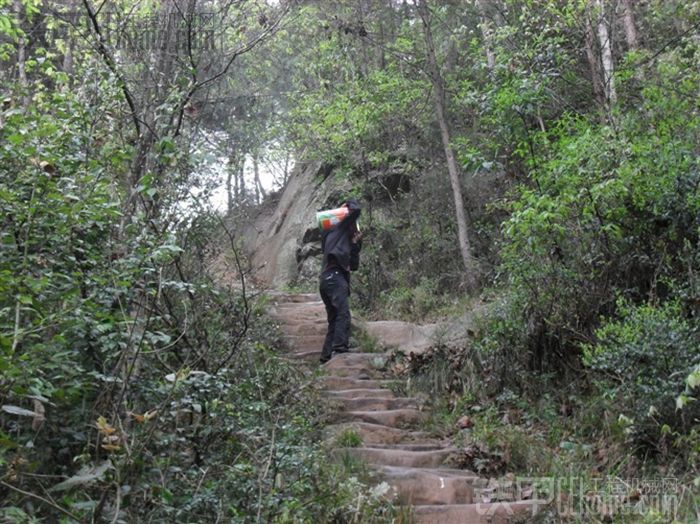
341	246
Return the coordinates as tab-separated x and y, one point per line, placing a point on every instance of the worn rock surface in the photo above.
282	241
384	428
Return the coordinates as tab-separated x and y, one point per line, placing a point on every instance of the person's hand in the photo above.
356	237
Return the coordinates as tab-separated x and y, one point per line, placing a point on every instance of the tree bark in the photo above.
235	185
606	56
487	32
239	187
594	63
67	66
439	96
22	58
259	190
229	190
629	24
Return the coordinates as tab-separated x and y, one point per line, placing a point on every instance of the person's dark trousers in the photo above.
334	292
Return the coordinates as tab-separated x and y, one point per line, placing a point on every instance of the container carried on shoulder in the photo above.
331	217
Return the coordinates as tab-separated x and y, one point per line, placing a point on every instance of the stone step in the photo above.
297	317
331	382
305	354
292	318
414	445
493	513
361	393
408	461
293	330
399	457
357	371
354	359
395	418
295	298
377	434
308	308
376	403
411	486
360	357
306	341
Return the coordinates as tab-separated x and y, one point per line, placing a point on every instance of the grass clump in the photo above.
348	438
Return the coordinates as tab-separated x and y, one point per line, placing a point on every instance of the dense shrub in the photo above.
642	360
135	383
612	210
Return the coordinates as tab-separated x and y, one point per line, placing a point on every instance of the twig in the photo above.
109	61
40	498
118	504
267	468
199	484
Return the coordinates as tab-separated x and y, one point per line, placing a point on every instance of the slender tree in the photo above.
439	97
604	38
629	24
591	48
487	33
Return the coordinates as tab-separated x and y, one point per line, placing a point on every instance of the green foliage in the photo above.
348	438
643	360
363	340
59	213
356	117
613	210
411	303
132	373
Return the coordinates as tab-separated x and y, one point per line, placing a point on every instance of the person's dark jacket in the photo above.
336	242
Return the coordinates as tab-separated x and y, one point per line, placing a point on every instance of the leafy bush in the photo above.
643	360
611	211
415	303
136	384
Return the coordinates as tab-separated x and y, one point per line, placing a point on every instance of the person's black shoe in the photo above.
323	360
346	350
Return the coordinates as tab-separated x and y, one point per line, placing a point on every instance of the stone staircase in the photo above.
409	460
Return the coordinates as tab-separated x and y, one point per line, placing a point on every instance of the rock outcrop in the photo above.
282	241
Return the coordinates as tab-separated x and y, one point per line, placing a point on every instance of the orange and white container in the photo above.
331	217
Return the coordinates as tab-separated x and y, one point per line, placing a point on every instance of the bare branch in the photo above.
111	64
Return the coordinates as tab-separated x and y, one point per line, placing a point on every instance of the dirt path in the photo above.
407	459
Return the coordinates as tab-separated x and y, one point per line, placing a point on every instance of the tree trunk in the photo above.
606	55
259	190
594	63
487	32
439	96
22	58
240	180
67	66
68	60
365	65
235	186
287	158
229	190
629	24
382	40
